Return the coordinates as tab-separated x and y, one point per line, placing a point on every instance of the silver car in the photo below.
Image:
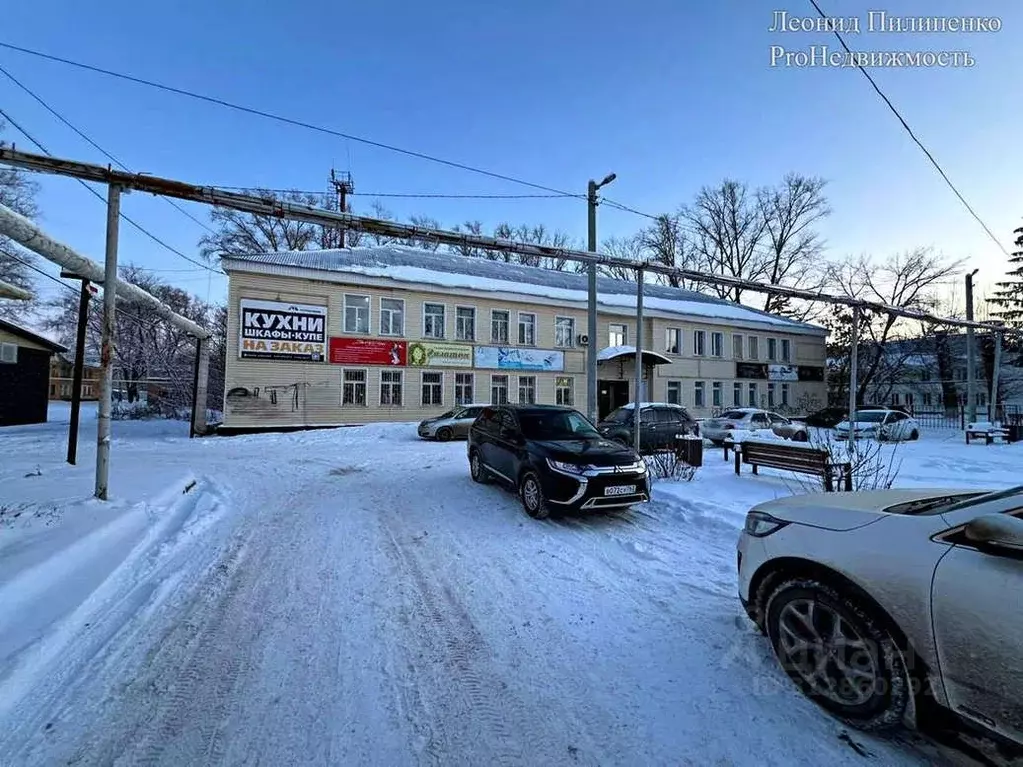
453	424
885	606
720	428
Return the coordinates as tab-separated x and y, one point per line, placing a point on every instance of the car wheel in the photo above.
800	436
477	470
444	434
914	435
839	654
531	494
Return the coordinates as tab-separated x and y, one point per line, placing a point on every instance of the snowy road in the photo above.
351	597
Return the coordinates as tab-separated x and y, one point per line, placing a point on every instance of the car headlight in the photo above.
568	468
760	524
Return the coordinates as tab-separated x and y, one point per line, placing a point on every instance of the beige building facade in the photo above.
323	338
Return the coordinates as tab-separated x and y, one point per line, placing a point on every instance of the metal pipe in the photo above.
854	354
76	381
106	357
7	290
636	416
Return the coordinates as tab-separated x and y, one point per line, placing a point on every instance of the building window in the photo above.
785	395
909	399
737	394
981	398
527	390
717	344
699	342
498	327
786	350
9	354
928	399
53	390
433	389
354	389
433	321
527	329
617	334
699	400
737	347
563	394
716	394
674	392
465	323
754	348
390	388
463	388
564	331
499	390
752	395
392	317
896	398
772	349
673	341
770	394
356	313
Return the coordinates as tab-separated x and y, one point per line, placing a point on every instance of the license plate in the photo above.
620	490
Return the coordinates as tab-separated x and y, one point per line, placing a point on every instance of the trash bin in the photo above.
689	448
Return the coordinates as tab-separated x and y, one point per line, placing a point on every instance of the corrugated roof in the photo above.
424	267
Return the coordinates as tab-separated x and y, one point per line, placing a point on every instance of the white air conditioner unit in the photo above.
583	339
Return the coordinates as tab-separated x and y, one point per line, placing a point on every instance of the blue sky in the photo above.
671	95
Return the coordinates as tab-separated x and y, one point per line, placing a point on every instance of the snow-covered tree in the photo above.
18	192
1009	299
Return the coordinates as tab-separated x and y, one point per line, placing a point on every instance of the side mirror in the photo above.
997	534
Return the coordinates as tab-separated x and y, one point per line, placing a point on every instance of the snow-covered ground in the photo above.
351	597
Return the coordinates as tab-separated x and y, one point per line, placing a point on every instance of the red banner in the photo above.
367	351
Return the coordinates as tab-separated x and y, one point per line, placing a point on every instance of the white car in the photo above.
724	426
894	606
882	425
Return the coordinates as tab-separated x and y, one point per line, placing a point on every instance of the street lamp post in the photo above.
591	308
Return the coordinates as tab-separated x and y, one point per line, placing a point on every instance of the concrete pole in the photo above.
994	374
854	361
971	364
638	398
106	359
591	303
202	375
79	371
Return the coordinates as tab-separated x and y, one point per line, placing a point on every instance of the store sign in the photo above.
281	331
511	358
439	355
367	351
754	370
782	373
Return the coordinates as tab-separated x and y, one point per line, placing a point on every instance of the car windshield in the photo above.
871	416
978	499
556	424
621	415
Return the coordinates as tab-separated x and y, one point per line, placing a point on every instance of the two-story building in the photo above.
319	338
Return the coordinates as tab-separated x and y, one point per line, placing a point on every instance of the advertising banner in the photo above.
427	354
367	351
277	330
782	372
512	358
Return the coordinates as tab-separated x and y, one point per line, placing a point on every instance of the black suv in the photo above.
555	459
659	424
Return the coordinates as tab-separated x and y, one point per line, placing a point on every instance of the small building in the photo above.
24	374
352	336
62	371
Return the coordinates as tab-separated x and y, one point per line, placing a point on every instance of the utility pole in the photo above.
79	368
971	365
106	358
854	359
343	186
994	375
591	305
636	436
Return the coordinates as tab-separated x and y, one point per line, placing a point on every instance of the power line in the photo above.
912	135
98	196
96	146
287	120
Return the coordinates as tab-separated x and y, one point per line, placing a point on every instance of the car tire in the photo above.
444	434
914	435
477	470
877	667
800	436
531	495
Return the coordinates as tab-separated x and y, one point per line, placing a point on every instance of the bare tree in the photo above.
423	243
18	192
469	251
627	248
666	242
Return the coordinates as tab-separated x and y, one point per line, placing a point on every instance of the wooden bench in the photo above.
988	431
789	457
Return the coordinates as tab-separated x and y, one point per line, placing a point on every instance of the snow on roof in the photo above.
613	352
631	405
411	265
32	335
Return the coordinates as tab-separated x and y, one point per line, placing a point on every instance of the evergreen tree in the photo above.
1009	300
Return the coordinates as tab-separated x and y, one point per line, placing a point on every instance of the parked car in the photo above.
878	601
451	425
659	423
830	417
882	425
718	429
556	460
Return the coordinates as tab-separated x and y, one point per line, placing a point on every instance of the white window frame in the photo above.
507	327
772	349
472	387
390	314
475	314
737	394
558	320
369	314
699	343
717	392
8	353
422	384
443	320
753	394
741	348
390	384
699	394
785	350
753	347
667	392
518	387
772	389
625	333
507	389
786	390
558	389
519	328
365	386
667	340
720	338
